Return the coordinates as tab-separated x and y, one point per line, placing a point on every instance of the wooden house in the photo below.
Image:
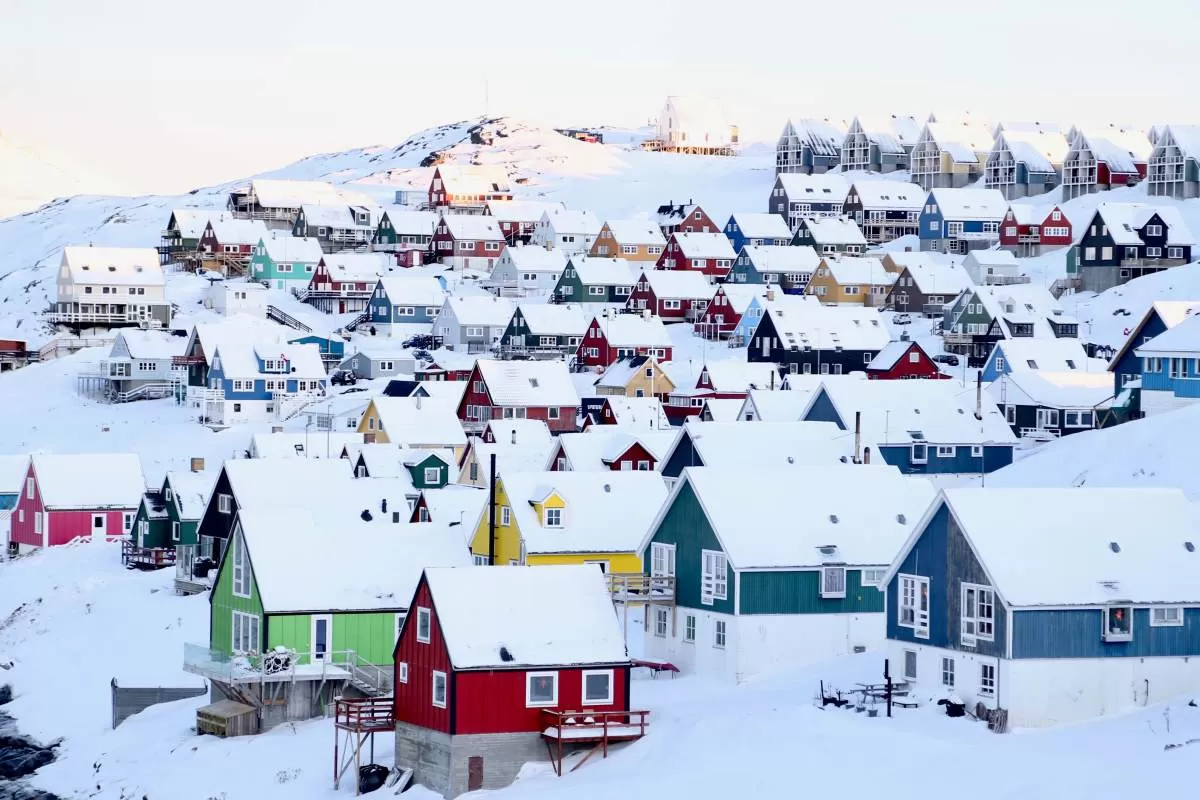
229	298
519	390
805	336
808	146
78	497
694	125
853	281
1024	163
683	218
610	338
345	282
1170	368
775	567
180	240
520	445
829	235
982	316
467	188
165	527
572	232
672	296
277	202
1161	316
248	382
641	414
1124	241
740	447
141	365
765	405
1173	169
338	227
472	323
398	302
527	271
1029	230
923	285
595	279
629	239
226	244
884	210
541	331
789	268
412	422
467	241
111	287
710	254
569	517
1045	404
402	231
609	447
481	688
758	230
1102	623
993	268
1103	159
879	145
903	360
635	376
368	363
950	155
723	379
518	219
284	262
796	196
961	220
725	310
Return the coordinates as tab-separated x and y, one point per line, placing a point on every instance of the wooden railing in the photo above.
364	714
597	728
638	588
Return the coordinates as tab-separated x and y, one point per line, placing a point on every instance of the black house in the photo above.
1124	241
811	339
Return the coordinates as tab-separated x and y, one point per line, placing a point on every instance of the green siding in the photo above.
417	473
799	592
223	603
372	635
686	526
289	630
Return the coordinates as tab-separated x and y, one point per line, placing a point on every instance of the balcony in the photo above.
638	589
286	666
1156	263
950	337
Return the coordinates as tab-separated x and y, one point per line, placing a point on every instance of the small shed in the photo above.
237	297
227	718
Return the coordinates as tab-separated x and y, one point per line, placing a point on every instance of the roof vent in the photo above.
833	518
533	382
828	549
366	515
903	520
1116	548
791	460
607	488
111	268
505	656
1191	548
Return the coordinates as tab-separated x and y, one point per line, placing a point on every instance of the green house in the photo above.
777	566
595	280
544	331
167	519
307	606
283	262
415	468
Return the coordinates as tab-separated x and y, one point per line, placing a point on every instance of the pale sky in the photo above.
167	95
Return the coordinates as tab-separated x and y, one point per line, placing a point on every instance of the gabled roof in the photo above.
417	290
292	249
970	204
1185	137
191	491
1121	150
578	627
635	231
864	270
633	330
728	375
704	245
826	188
1032	214
895	195
620	372
301	444
1181	339
766	445
761	226
994	258
294	194
834	230
639	413
487	310
1049	353
528	383
1041	151
238	231
1170	313
255	482
593	271
801	323
534	258
414	420
242	360
546	319
886	358
824	138
339	215
774	405
741	295
528	453
1124	220
358	267
564	220
595	449
150	345
783	259
893	134
963	141
236	330
720	409
473	179
526	211
679	284
115	266
1025	303
405	221
89	480
12	473
808	516
1070	389
472	227
930	277
191	222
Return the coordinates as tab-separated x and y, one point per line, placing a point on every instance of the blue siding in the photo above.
1128	363
822	410
682	457
1077	633
994	457
331	347
1187	384
382	309
8	501
749	321
930	217
990	371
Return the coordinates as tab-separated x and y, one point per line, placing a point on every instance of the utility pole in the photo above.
492	512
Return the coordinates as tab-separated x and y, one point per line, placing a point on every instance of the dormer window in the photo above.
552	517
1118	624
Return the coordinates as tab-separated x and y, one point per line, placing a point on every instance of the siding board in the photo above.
799	592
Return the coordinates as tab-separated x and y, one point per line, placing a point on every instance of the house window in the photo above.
241	570
402	668
1118	624
910	665
833	582
29	490
948	672
978	614
225	503
598	687
127	521
976	451
719	634
1153	252
439	689
433	474
872	576
1154	230
914	358
245	632
913	609
1166	616
553	518
660	622
714	582
1174	252
505	515
1010	415
920	453
541	689
987	680
552	412
945	451
662	559
424	624
1078	419
689	629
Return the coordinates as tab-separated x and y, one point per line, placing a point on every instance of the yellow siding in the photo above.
823	278
617	562
371	425
659	385
464	475
606	246
508	537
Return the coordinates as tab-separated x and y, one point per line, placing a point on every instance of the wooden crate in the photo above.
227	718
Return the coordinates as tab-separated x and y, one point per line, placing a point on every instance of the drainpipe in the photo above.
492	512
857	437
979	396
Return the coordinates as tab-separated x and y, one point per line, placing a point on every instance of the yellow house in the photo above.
640	376
413	422
630	239
851	281
570	518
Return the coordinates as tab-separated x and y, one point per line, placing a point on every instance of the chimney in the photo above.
197	465
276	429
979	396
857	436
514	436
383	505
549	245
418	401
866	455
770	295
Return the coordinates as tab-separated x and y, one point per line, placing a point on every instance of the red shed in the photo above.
65	498
904	360
609	339
519	390
671	296
1032	230
725	310
492	661
686	217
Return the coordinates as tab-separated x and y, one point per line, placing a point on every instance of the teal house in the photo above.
284	262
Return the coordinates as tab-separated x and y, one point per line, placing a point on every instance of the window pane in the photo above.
596	687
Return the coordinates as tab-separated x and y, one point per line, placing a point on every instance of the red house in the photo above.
344	282
468	186
720	380
467	241
1029	230
904	360
608	448
519	390
65	498
686	217
611	338
494	663
442	371
726	308
232	237
708	253
671	296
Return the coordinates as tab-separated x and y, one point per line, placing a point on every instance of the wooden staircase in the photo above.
283	318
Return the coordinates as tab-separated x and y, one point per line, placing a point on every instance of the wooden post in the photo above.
492	512
887	686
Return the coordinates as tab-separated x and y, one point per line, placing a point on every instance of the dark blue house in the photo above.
1171	367
1124	241
757	229
1056	605
787	267
1160	317
405	300
961	220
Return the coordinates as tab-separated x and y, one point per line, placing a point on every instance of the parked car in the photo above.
946	358
902	319
422	341
343	377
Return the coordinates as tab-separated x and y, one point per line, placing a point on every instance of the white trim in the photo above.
241	570
607	700
834	592
1166	623
974	624
424	617
661	621
721	632
1107	633
662	559
402	670
245	624
433	689
904	667
529	702
313	620
713	562
689	627
920	617
877	574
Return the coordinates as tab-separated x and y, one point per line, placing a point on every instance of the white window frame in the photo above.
948	672
987	680
904	667
909	598
248	628
946	451
977	620
689	629
837	577
505	516
241	584
714	581
1163	622
661	621
225	503
871	576
433	694
720	634
1108	635
662	559
437	474
607	700
529	701
402	669
558	523
424	619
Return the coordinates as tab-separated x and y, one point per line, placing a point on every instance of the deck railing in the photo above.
283	665
636	587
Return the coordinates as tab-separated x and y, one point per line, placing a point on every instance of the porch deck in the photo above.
598	728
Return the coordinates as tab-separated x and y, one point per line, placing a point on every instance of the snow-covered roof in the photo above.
1029	213
1025	303
1178	340
620	372
294	194
783	259
823	137
415	420
739	296
255	482
1048	353
862	270
633	330
566	221
897	131
595	449
728	375
834	230
533	258
114	266
191	491
487	310
472	227
89	480
740	445
808	516
604	271
527	211
237	329
761	226
528	453
895	195
238	231
635	231
1040	150
704	245
1121	150
376	565
1124	220
150	345
548	319
528	383
302	444
191	222
679	284
12	473
774	405
243	360
545	616
886	358
970	204
826	188
455	506
444	390
405	221
417	290
907	412
930	277
1073	532
473	179
358	267
962	141
1185	137
1070	389
636	413
801	323
292	249
994	258
720	409
606	513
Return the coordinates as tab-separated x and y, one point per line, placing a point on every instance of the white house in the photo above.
695	125
140	366
570	231
473	324
527	271
992	267
237	297
111	286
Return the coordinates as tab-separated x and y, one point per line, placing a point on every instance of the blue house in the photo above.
920	427
12	478
1171	367
332	350
405	300
1045	355
250	382
787	267
1159	318
1056	605
961	220
757	229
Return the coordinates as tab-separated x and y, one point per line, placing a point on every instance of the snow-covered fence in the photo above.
130	700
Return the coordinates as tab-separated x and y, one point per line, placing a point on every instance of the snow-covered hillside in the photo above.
29	178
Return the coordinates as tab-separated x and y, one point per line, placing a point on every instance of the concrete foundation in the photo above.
442	762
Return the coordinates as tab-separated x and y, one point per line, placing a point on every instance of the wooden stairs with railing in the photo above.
283	318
